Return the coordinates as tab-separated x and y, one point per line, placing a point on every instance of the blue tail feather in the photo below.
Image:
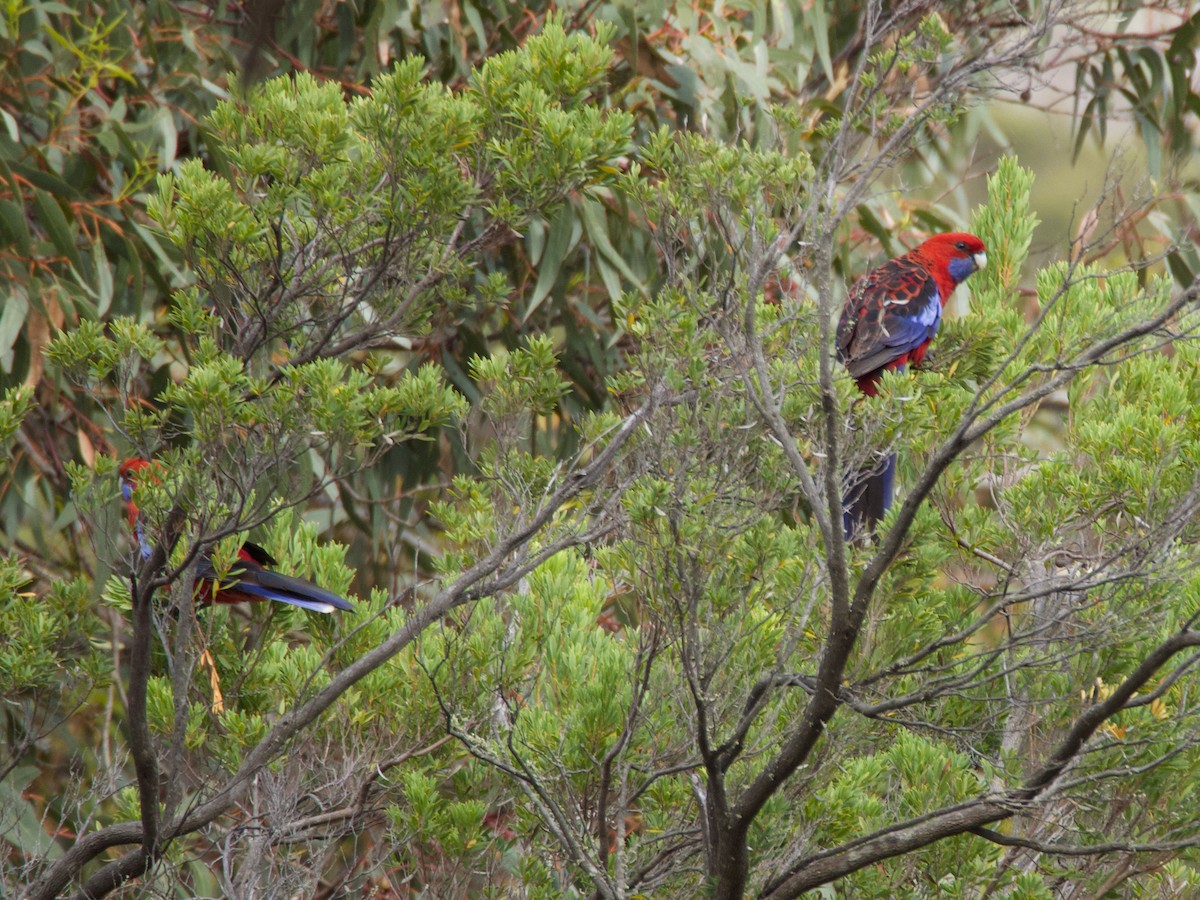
253	580
321	601
295	591
868	498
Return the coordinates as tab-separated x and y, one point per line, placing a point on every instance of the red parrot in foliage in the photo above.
891	315
249	579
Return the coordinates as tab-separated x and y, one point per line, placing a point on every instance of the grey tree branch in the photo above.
818	869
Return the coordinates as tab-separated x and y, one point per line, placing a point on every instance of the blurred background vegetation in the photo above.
98	99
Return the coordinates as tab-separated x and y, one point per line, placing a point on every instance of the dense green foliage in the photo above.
515	327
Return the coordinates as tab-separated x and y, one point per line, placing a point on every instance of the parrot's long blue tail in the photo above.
868	496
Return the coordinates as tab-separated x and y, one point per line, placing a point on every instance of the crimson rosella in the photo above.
248	579
891	315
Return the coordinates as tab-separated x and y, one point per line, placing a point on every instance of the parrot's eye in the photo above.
961	245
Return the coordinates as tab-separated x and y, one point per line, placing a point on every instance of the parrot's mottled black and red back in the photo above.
890	311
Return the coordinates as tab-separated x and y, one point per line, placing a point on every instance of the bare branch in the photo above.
905	837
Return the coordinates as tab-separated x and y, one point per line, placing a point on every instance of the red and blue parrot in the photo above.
891	315
249	579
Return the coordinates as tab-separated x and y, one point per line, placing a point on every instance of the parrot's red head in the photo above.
952	257
130	466
129	471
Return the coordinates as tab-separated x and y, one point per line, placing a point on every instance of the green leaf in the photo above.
57	229
20	825
558	242
870	223
818	27
596	228
13	228
1180	270
10	125
12	321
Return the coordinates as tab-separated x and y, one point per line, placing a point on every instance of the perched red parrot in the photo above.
249	579
891	315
